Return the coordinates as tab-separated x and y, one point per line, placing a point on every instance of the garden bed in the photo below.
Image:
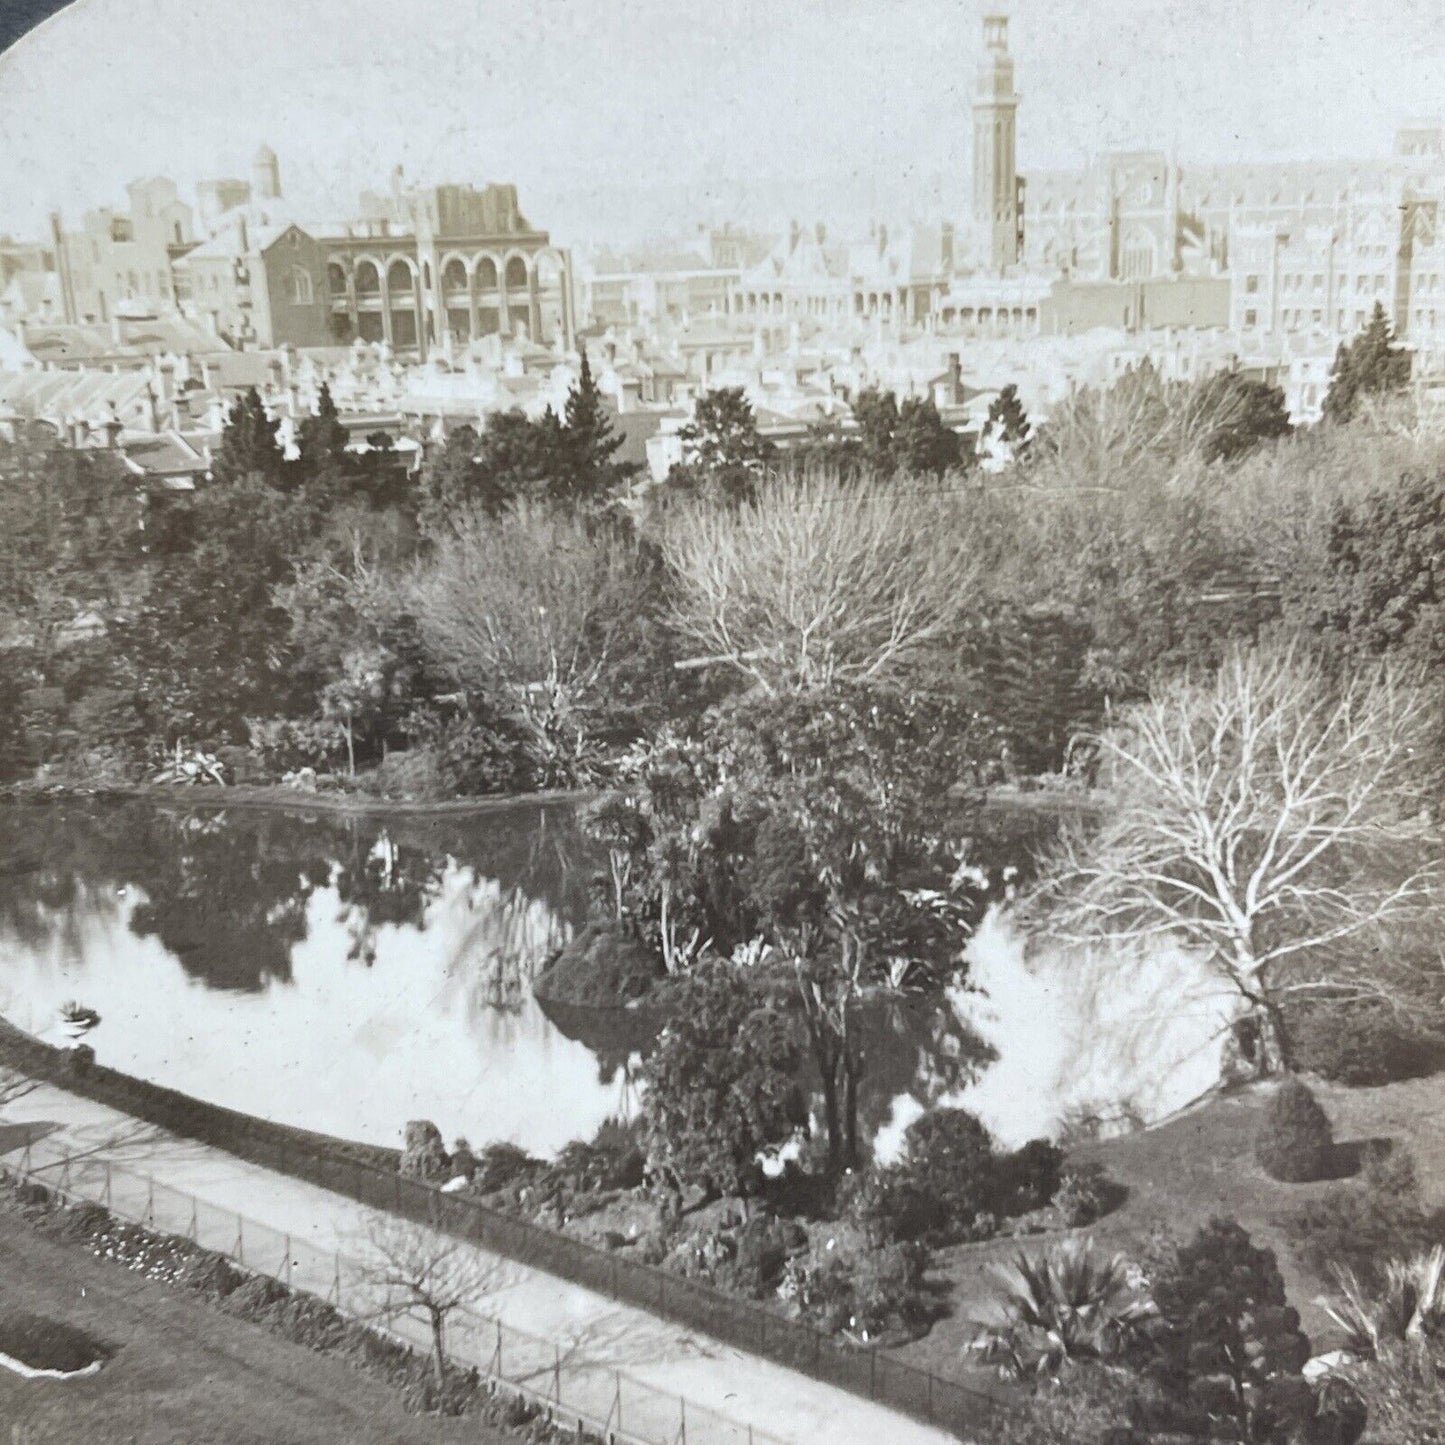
46	1349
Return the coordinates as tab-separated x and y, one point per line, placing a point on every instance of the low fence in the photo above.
577	1393
964	1409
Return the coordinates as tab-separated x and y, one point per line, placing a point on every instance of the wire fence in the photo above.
578	1393
966	1409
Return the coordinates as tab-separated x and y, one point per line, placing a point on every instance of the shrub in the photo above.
1295	1142
1062	1305
763	1246
948	1159
1084	1195
253	1298
1230	1342
1404	1394
501	1165
613	1159
84	1220
865	1293
1363	1045
1028	1178
1364	1223
210	1274
1407	1304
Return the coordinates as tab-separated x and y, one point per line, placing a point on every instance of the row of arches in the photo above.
396	298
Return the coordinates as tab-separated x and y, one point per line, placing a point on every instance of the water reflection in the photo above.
343	974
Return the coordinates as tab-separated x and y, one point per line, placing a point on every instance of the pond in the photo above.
348	972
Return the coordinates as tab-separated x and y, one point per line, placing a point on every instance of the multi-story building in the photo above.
454	264
120	261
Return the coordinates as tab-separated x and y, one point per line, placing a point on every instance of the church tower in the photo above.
266	175
995	170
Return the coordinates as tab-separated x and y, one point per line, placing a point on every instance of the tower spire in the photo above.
995	162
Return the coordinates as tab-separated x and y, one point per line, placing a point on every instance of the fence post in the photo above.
195	1221
500	1375
288	1261
107	1183
681	1421
150	1201
619	1401
557	1371
872	1374
930	1394
240	1243
338	1279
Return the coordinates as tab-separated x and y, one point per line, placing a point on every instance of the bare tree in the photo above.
408	1270
527	609
1267	817
817	580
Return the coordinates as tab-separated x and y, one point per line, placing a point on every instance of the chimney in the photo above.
152	412
955	379
945	245
117	335
166	377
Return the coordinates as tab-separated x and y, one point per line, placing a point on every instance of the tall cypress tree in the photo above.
587	470
1370	365
249	446
322	438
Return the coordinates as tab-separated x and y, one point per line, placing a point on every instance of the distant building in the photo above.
452	264
261	285
120	261
996	197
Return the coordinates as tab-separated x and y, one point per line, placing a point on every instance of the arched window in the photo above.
336	278
368	279
398	282
298	286
486	274
454	276
516	274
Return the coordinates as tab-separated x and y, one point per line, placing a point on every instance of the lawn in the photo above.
183	1372
1201	1164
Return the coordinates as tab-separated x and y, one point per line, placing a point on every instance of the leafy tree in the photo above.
1008	420
71	538
1232	1343
876	413
1240	413
803	825
723	452
1370	365
249	445
923	446
207	647
721	1080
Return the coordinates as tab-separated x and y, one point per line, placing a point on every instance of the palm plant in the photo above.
1063	1305
1407	1308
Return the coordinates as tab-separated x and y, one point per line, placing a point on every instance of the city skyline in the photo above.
710	114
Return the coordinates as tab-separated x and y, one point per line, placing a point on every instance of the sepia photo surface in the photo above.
722	724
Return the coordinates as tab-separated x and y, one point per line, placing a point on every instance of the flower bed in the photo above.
48	1349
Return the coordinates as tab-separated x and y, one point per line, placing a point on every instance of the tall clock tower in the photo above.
995	169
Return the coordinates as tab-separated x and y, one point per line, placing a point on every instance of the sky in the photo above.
620	113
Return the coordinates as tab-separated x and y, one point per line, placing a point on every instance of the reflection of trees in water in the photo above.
920	1048
508	938
227	890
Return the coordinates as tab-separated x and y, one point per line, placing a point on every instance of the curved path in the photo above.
590	1336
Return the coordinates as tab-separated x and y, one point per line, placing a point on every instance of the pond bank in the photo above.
275	795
